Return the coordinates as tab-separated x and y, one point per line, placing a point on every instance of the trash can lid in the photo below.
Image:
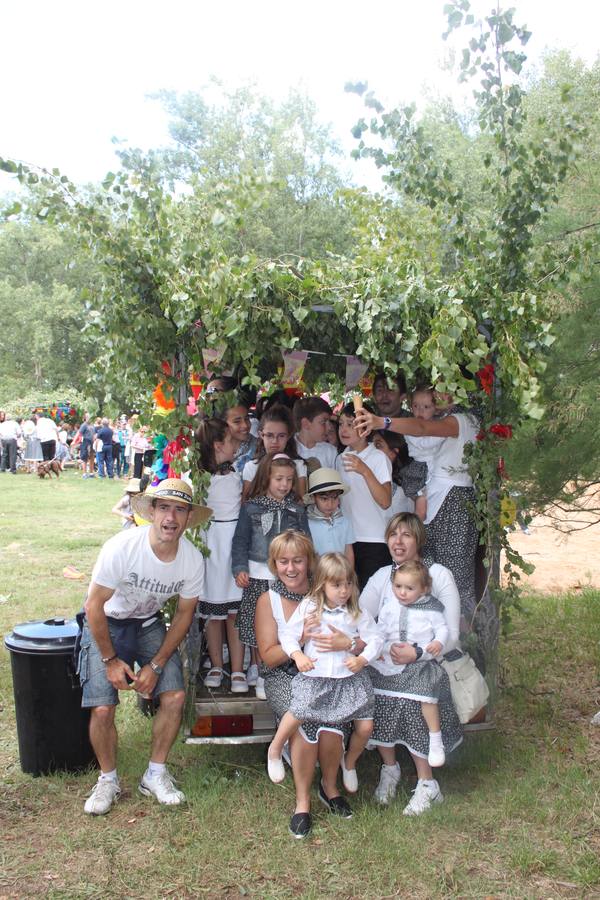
51	636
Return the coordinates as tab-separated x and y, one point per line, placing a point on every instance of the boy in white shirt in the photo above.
311	418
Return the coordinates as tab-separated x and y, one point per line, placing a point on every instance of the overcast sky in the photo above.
75	73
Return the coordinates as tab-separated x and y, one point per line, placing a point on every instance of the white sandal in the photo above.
214	677
239	685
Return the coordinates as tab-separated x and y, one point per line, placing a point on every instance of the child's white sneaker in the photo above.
259	689
252	675
349	777
424	796
389	778
436	756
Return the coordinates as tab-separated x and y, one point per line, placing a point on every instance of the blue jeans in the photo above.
97	689
105	456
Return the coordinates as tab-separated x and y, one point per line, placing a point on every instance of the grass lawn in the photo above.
522	810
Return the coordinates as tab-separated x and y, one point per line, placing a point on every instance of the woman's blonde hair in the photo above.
334	567
418	569
294	542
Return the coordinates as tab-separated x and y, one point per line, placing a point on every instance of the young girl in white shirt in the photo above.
418	619
330	686
220	599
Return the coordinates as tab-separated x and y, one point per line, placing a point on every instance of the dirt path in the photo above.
563	562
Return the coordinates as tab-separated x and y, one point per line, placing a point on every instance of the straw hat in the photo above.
133	486
171	489
323	480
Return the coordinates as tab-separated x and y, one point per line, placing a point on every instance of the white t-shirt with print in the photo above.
368	519
142	582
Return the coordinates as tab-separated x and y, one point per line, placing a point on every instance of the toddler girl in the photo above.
220	598
272	507
418	619
275	435
331	686
423	451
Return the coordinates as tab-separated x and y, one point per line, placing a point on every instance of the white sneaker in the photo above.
436	756
389	778
105	793
162	787
259	689
424	795
349	777
252	675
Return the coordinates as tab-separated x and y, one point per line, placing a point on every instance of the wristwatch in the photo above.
352	646
418	651
158	670
386	423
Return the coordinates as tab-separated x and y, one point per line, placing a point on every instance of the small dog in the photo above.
52	467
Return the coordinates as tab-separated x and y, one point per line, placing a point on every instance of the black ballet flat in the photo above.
337	806
300	825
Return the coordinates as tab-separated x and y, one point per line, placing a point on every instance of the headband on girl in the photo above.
281	456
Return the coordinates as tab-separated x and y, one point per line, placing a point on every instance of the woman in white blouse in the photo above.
398	720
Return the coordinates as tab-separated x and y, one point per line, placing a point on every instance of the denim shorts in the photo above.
97	689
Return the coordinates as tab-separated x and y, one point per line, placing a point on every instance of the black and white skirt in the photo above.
420	681
334	699
413	477
247	611
278	688
398	720
208	610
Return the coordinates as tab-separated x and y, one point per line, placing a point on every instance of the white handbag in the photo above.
468	686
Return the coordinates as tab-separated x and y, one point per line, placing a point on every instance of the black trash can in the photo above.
51	725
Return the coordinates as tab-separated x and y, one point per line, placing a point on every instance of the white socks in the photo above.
155	769
109	776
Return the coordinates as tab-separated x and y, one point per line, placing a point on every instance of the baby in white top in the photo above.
331	685
423	450
416	619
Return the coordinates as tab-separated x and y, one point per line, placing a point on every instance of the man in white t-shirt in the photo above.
311	415
135	574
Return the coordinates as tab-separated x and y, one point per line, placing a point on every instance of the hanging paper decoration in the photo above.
191	408
164	404
195	385
212	357
293	362
355	369
166	367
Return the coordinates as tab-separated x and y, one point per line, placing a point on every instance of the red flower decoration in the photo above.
480	436
504	432
486	378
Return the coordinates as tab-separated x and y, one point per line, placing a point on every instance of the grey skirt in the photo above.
398	720
278	688
420	680
413	478
316	699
